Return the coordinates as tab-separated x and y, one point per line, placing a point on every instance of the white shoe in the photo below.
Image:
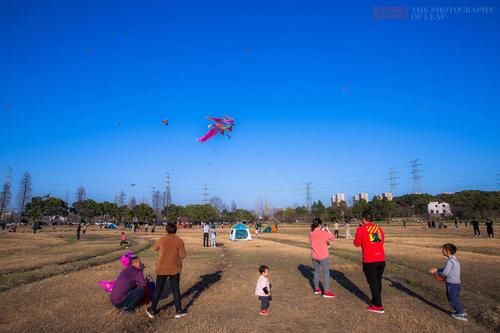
179	315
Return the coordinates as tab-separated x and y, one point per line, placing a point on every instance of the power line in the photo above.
416	175
308	195
205	193
393	178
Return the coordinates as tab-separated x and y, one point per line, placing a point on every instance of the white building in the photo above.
338	198
356	198
387	195
442	208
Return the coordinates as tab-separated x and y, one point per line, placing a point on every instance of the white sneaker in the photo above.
461	316
179	315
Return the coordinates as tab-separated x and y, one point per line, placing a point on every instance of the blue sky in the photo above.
320	92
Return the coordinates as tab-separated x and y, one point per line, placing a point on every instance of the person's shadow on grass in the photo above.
308	273
350	286
399	286
195	291
346	283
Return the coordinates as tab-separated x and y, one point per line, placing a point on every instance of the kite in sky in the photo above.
165	121
220	125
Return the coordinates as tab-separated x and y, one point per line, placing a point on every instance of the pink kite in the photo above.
107	285
219	126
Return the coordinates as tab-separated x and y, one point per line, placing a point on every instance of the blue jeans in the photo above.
325	265
453	296
133	297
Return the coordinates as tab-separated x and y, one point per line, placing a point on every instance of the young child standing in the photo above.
213	238
263	290
451	273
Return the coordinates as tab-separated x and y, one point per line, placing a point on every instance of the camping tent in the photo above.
239	232
270	228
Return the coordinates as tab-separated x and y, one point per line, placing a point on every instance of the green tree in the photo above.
87	209
359	207
144	213
201	213
173	212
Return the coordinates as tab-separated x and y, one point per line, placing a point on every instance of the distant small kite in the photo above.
165	122
133	185
220	125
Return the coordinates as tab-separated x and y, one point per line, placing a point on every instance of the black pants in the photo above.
174	284
264	302
490	232
476	231
373	272
205	239
336	233
78	235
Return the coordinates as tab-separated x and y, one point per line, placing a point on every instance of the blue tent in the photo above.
240	232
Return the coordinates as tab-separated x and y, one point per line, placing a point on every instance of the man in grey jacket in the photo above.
451	273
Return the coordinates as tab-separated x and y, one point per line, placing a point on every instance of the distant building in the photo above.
438	208
338	198
387	195
358	197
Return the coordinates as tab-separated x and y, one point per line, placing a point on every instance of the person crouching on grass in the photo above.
263	290
168	266
451	273
129	287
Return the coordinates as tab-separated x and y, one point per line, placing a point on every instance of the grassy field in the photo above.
48	283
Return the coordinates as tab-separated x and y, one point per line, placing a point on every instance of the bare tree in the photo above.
132	203
24	195
6	194
217	203
233	206
81	194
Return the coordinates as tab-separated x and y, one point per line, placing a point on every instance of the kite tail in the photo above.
210	134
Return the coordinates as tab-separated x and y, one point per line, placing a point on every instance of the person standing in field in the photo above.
336	229
319	239
347	230
213	237
451	273
84	228
475	227
489	228
456	222
370	238
168	266
263	290
78	229
206	230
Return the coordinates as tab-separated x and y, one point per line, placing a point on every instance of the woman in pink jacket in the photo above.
319	238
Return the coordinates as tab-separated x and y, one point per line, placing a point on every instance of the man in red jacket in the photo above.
371	239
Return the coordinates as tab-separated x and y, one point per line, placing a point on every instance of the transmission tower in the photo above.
416	176
167	196
308	195
205	194
393	178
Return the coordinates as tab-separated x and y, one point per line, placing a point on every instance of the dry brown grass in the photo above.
223	300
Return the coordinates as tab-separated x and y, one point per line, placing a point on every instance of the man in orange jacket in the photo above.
370	238
168	266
